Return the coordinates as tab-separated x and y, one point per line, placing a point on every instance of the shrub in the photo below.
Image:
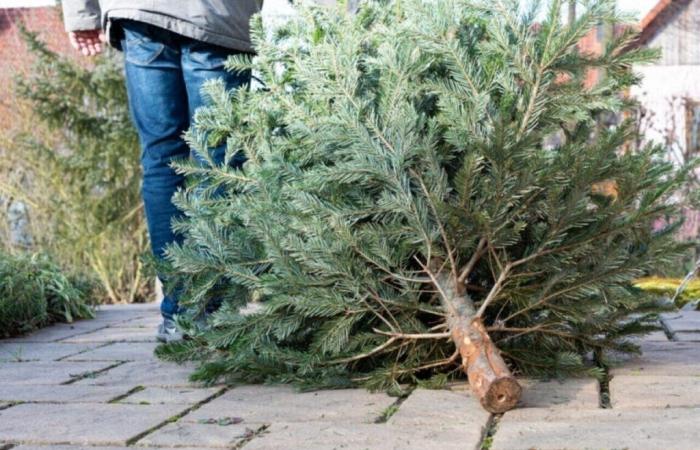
35	292
75	164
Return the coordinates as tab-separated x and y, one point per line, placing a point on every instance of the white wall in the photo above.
639	7
661	93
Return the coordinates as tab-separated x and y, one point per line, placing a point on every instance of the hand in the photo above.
87	42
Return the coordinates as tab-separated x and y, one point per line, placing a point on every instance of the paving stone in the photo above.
117	322
39	351
151	321
66	447
59	331
332	436
143	373
663	358
655	336
656	400
176	395
571	393
119	351
648	429
439	414
85	423
282	403
119	312
120	315
123	319
73	447
442	408
127	310
62	393
132	307
682	321
56	372
115	335
689	336
197	434
642	391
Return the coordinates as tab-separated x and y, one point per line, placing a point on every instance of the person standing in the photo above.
171	47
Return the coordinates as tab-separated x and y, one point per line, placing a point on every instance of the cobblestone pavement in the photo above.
96	385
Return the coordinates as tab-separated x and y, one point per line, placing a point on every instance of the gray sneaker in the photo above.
168	332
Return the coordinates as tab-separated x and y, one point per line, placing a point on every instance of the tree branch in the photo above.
374	351
495	290
413	335
478	253
443	233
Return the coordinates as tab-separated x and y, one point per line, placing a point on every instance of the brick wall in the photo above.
13	53
594	43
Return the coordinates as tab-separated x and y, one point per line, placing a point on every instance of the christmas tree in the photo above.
430	186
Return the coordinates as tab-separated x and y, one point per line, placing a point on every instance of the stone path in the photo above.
96	385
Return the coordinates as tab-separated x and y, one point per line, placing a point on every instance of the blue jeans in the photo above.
164	75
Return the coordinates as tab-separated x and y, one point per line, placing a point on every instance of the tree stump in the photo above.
489	377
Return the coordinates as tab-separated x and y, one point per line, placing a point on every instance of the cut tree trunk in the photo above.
489	376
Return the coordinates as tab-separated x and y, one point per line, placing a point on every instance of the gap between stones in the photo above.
604	382
488	432
667	330
491	427
604	389
131	441
9	405
129	393
117	341
392	409
249	437
83	351
60	340
18	354
92	374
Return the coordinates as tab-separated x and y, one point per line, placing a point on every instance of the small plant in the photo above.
387	413
668	287
34	292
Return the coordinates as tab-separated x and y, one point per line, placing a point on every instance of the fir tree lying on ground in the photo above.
400	213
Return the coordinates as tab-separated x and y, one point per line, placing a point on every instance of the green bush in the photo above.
34	292
75	163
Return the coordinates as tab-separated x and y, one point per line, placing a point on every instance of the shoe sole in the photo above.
167	339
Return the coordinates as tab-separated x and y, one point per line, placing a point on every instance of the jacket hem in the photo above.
83	23
176	26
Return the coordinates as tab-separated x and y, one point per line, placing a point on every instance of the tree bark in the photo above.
489	377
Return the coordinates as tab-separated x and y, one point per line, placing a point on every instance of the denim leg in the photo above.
202	62
160	111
